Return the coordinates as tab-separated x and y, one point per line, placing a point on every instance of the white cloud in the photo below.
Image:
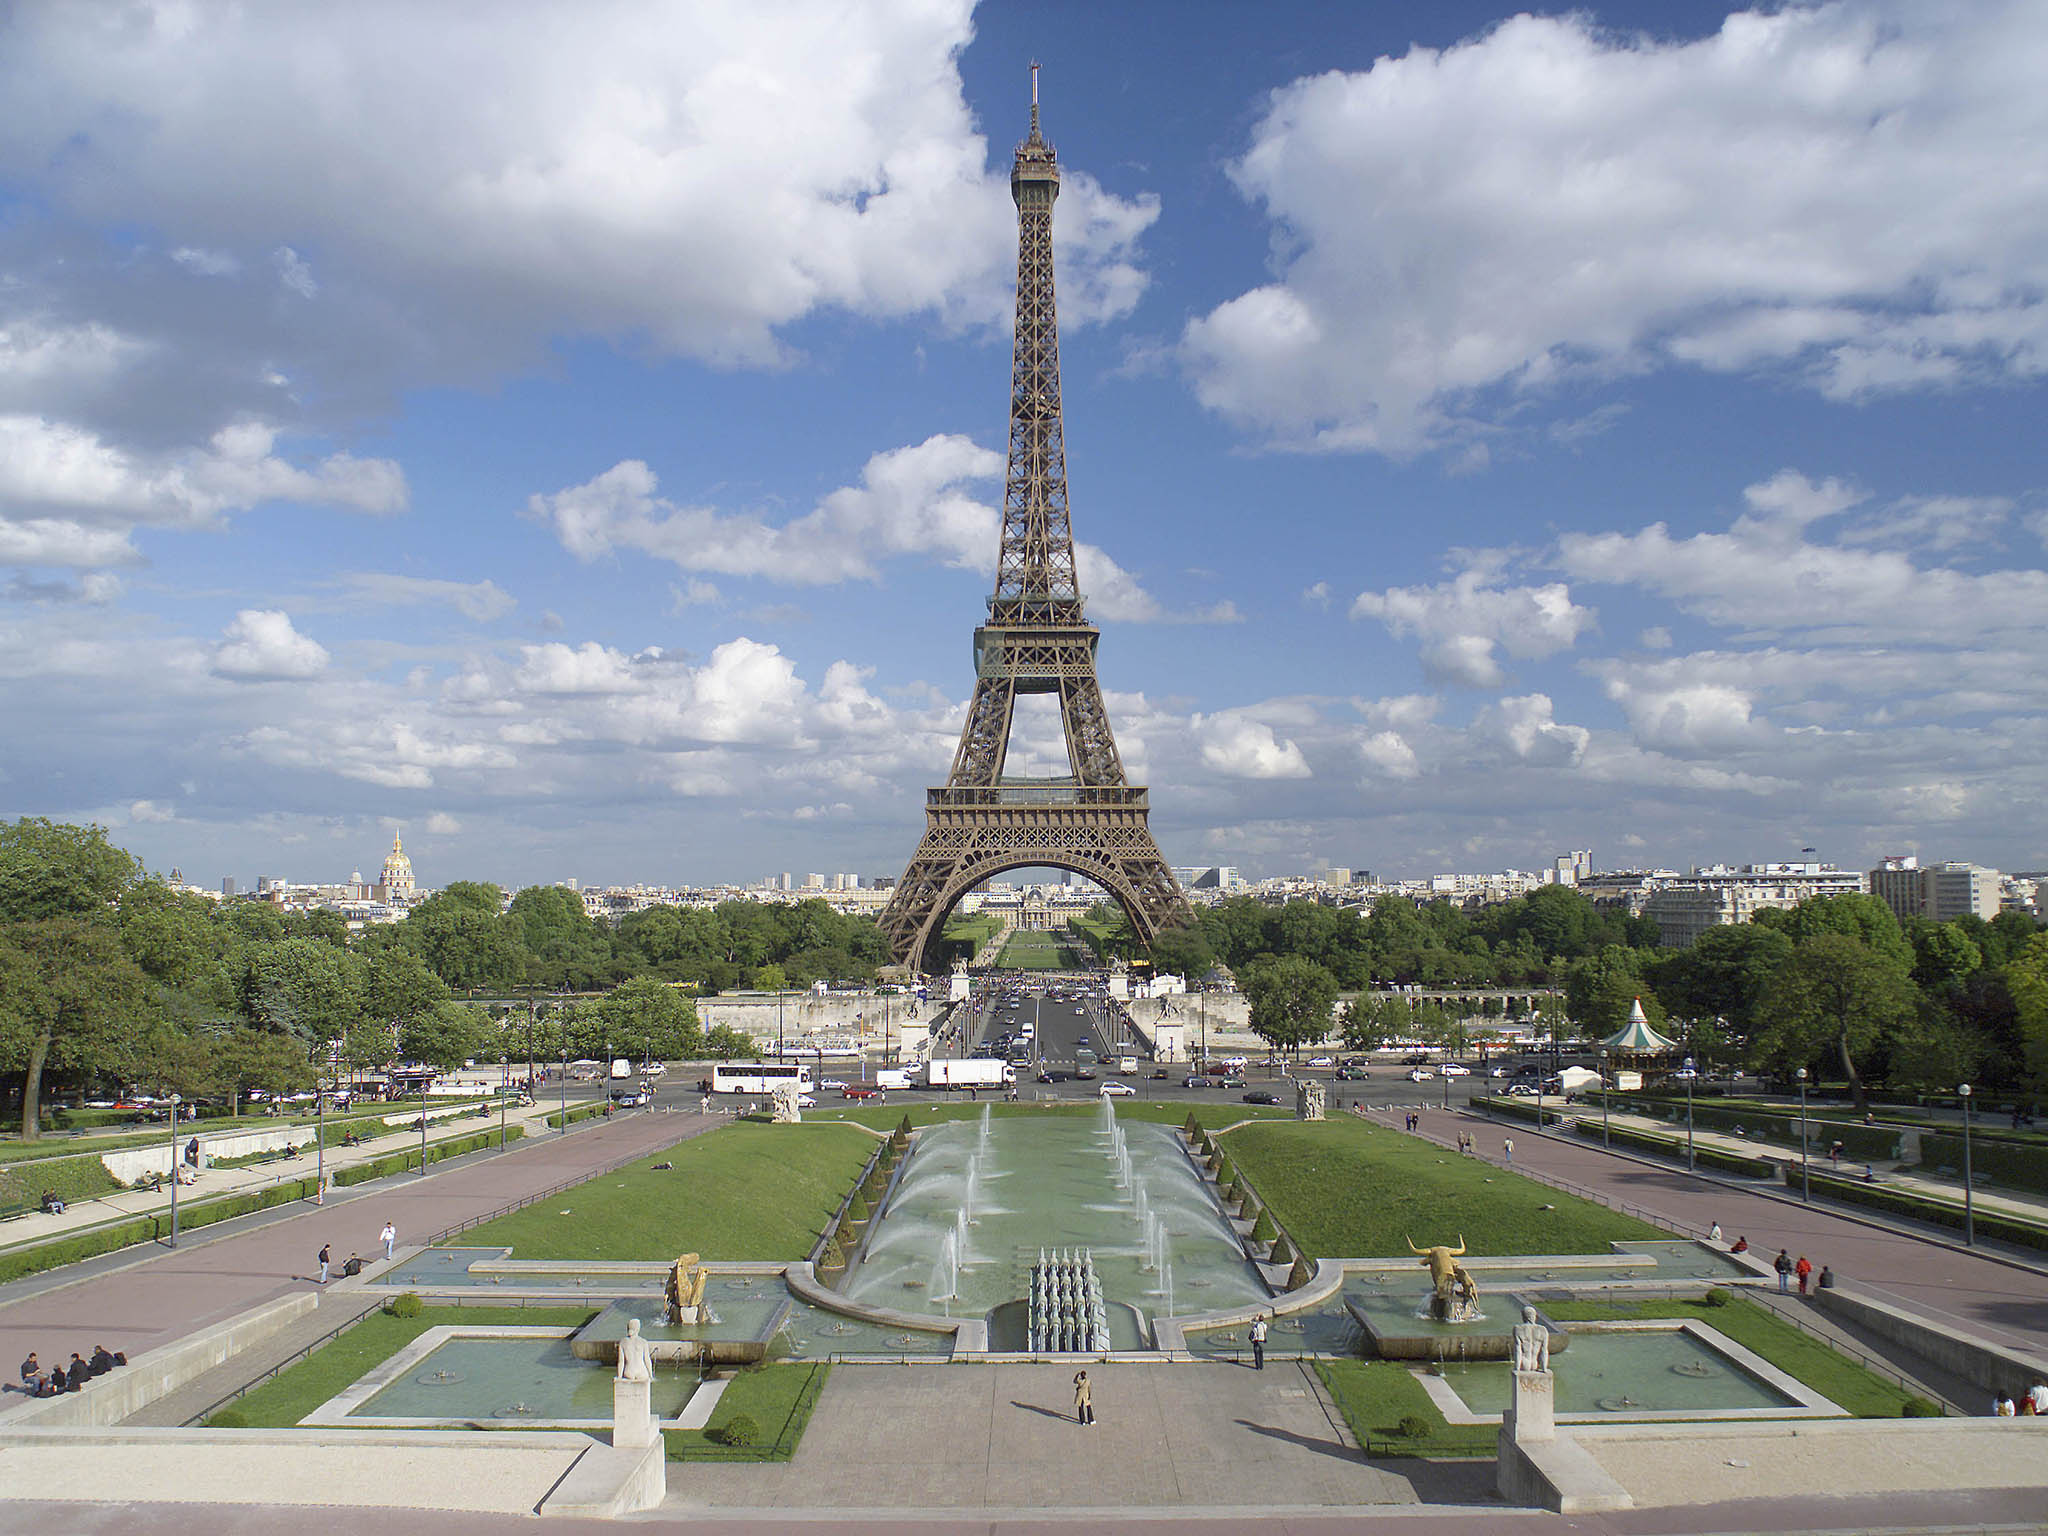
1387	753
565	669
1243	748
150	811
481	601
262	645
1766	574
1656	638
1939	523
1525	726
441	824
700	176
1826	190
1461	621
1317	596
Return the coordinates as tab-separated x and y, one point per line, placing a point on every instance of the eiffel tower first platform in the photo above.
1092	821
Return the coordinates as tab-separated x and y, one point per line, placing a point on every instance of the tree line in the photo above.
109	977
1837	984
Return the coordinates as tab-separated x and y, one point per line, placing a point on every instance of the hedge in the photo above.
557	1120
147	1229
1940	1213
1519	1108
437	1151
1866	1143
1674	1146
2014	1163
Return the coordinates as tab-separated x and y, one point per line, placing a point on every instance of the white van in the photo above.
621	1069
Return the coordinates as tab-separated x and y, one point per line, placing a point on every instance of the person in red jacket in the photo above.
1803	1269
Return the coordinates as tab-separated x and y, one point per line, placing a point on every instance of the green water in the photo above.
1627	1372
499	1382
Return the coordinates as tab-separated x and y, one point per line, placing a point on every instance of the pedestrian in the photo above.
2037	1394
326	1259
1714	1233
32	1375
389	1238
1783	1265
1826	1282
704	1104
1740	1245
1259	1342
1835	1154
1803	1269
2002	1406
1084	1399
1507	1150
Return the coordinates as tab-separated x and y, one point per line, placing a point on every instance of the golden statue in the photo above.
684	1294
1455	1297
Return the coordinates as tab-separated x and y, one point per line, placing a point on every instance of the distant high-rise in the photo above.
1943	892
227	885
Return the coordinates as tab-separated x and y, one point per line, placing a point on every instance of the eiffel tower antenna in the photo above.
1037	640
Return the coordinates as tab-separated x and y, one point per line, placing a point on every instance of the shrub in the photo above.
229	1418
831	1256
1283	1251
858	1210
740	1429
1301	1274
1719	1296
1920	1408
1263	1230
903	1130
1189	1127
408	1305
1415	1426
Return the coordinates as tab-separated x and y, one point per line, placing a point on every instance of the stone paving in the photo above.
153	1295
963	1437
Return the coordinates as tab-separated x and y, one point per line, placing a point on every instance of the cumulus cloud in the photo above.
1388	753
441	824
700	176
1244	748
262	645
1461	621
1821	191
911	502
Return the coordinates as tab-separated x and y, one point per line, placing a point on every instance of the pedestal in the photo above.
1531	1415
633	1414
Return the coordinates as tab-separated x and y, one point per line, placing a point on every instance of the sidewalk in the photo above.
1904	1177
126	1204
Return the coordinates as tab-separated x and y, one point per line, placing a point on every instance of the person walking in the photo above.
326	1259
389	1238
1783	1265
1084	1399
1803	1269
1507	1150
1259	1342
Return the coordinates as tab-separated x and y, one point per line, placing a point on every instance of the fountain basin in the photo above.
744	1321
1399	1327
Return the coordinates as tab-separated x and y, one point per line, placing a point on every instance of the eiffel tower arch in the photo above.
1091	820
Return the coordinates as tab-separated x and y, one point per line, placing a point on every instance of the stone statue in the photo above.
788	1107
1310	1099
684	1294
636	1355
1456	1297
1532	1343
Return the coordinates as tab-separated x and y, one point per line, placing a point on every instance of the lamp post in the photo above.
319	1140
504	1091
423	1120
174	1170
1606	1093
563	1128
1805	1182
778	1023
1690	1165
1969	1193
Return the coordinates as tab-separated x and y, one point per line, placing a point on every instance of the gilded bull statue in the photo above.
1454	1293
684	1294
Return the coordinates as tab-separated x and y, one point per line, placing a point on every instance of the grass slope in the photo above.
1375	1396
774	1397
288	1397
1348	1189
749	1191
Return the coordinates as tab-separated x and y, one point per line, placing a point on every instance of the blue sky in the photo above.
571	437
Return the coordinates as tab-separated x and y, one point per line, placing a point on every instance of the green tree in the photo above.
1835	991
1182	951
1853	915
463	939
69	998
566	950
248	1059
302	987
444	1036
1290	1000
2026	977
651	1018
50	870
1601	989
724	1043
1722	975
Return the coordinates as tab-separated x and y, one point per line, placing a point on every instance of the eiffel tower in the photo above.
1092	820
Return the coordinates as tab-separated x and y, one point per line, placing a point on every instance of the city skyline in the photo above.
1489	435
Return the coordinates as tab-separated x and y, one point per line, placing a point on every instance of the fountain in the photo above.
945	1281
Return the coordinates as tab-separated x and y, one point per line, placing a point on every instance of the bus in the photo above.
759	1076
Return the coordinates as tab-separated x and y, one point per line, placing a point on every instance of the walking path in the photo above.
1977	1292
126	1204
216	1272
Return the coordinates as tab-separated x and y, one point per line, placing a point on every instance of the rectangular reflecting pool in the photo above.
503	1382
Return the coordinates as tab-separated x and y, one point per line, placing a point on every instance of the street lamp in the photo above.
1690	1070
778	1023
563	1128
1805	1182
1606	1093
174	1170
319	1139
423	1119
1969	1193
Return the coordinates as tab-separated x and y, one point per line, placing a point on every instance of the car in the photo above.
1455	1069
1496	1071
1160	1074
1684	1075
1049	1075
1230	1080
1522	1090
655	1068
1415	1059
1420	1074
858	1091
1261	1096
1194	1080
834	1083
1322	1061
1352	1074
803	1101
1085	1075
1116	1090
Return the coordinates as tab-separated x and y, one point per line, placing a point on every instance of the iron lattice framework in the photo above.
1037	640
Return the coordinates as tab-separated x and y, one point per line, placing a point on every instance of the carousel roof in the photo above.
1636	1038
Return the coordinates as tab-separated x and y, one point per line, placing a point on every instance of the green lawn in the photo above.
1057	951
1376	1395
1836	1377
749	1191
778	1398
1347	1189
288	1397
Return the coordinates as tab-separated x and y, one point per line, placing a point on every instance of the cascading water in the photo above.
972	1187
945	1281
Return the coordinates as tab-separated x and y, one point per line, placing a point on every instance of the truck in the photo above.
887	1078
974	1072
1126	1064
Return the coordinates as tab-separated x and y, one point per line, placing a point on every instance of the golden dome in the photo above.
397	867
